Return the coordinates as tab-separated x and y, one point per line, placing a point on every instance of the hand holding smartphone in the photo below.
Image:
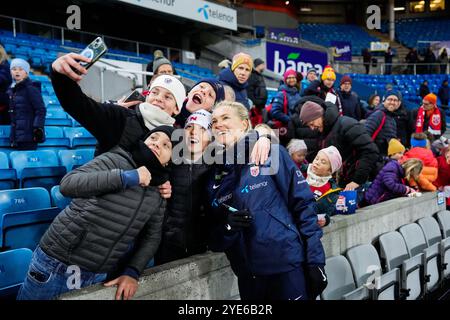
93	51
135	96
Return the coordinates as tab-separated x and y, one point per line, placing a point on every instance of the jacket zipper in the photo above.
126	229
190	206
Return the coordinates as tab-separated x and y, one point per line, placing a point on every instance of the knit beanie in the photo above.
21	64
328	73
201	117
311	70
393	93
345	79
173	85
310	111
242	58
217	87
431	98
334	156
394	147
288	73
159	62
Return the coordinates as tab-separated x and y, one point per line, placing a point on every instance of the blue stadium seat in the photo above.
5	131
13	270
8	176
58	200
80	137
37	168
57	117
54	139
25	214
75	158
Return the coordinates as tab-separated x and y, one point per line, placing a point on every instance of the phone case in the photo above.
94	51
135	96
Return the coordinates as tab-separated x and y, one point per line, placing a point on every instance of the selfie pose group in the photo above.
143	196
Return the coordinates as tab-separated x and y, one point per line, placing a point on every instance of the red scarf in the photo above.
434	123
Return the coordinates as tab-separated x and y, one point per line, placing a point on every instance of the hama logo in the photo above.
204	9
290	62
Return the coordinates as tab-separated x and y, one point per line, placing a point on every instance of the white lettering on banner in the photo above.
198	10
343	50
379	46
280	66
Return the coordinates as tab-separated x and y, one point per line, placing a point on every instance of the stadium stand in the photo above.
13	269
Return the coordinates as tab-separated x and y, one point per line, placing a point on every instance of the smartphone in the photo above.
135	96
93	51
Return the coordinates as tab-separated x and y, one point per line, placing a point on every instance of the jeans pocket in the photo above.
38	274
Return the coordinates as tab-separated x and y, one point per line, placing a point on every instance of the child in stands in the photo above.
392	181
319	176
395	150
297	150
26	108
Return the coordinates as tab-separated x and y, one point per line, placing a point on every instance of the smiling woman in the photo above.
259	215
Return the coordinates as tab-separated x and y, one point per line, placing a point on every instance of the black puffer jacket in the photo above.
402	117
256	90
184	230
96	230
297	130
351	107
359	154
387	131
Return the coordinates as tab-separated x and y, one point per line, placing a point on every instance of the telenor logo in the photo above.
204	10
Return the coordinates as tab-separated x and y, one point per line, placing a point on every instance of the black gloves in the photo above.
238	220
38	135
316	280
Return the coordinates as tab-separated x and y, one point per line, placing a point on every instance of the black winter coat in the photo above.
5	82
317	88
185	231
387	132
351	107
297	130
110	124
27	112
402	117
359	153
257	90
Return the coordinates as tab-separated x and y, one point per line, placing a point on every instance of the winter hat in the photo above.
394	147
334	156
345	79
290	72
242	58
296	145
310	111
421	143
217	87
159	62
393	93
168	130
431	98
21	64
201	117
173	85
311	70
158	54
257	62
328	73
224	63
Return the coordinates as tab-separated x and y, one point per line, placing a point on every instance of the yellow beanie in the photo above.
394	147
328	73
242	58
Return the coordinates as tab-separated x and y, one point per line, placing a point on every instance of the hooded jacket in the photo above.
27	112
388	184
293	97
284	233
104	219
227	77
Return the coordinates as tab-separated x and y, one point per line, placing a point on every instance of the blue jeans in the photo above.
48	278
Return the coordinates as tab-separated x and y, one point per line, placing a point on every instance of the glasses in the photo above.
392	100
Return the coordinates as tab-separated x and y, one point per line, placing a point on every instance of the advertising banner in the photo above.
290	36
342	50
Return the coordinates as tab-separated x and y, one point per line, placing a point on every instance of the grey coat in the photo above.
104	220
